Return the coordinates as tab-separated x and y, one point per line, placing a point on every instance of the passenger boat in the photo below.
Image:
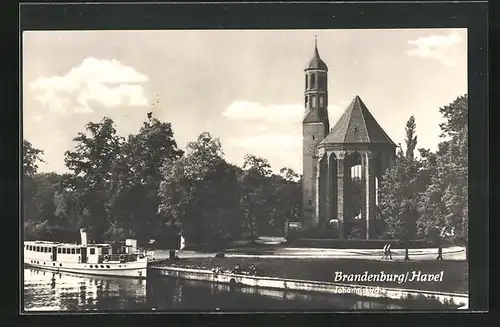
116	259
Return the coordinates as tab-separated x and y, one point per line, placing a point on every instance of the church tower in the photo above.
315	127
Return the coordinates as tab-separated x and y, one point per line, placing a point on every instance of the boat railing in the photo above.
118	257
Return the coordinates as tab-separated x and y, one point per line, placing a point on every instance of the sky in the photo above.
244	87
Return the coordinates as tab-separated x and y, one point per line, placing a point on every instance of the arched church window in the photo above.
313	80
307	82
313	101
305	103
321	101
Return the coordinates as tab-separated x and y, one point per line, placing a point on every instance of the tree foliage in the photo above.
31	158
398	203
199	193
428	197
91	162
444	207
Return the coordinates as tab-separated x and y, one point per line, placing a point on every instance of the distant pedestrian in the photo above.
440	253
389	252
407	256
384	256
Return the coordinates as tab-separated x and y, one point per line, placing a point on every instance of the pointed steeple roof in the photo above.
312	117
357	125
316	62
315	116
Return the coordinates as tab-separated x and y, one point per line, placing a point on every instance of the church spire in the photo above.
316	53
316	62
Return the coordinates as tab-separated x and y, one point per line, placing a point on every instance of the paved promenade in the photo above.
274	249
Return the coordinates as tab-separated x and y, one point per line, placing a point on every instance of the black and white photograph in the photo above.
245	170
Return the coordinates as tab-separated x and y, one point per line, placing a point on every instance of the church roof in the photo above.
315	116
357	125
316	62
312	117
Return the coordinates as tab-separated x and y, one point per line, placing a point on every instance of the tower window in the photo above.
322	81
313	100
313	80
321	101
307	98
313	137
307	82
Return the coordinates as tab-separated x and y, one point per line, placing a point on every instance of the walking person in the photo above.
389	252
384	256
440	252
407	256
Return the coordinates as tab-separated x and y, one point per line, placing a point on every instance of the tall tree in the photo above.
31	158
254	181
288	194
136	177
411	138
200	193
399	192
92	160
444	206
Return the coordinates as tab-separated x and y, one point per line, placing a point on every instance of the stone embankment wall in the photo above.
451	299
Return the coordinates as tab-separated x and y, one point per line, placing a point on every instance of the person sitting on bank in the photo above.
237	269
253	270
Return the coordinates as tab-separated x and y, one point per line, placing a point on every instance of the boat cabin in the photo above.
82	253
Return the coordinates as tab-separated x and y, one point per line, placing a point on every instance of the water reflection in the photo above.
48	291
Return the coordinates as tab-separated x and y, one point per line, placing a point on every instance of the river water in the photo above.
50	291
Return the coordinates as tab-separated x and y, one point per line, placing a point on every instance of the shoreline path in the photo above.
274	250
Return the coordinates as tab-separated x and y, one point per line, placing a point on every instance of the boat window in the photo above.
107	266
37	249
73	251
45	249
63	251
105	251
59	250
92	250
77	251
91	266
102	266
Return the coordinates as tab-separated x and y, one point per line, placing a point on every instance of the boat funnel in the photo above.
83	236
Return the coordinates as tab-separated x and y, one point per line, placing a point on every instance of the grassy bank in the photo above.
455	277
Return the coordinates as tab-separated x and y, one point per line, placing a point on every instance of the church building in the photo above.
342	166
